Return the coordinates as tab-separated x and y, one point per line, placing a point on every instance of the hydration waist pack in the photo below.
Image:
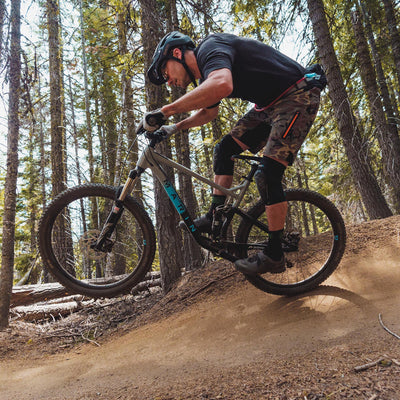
315	76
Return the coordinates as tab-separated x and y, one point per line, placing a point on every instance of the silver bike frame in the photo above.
152	160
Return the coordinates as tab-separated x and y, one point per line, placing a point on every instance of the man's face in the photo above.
175	74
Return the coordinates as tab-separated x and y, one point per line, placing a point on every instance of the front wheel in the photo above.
314	242
71	224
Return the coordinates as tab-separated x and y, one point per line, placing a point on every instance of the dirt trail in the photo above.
245	344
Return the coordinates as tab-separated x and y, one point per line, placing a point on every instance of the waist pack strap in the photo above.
300	84
314	77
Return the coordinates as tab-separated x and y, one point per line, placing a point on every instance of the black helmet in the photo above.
163	53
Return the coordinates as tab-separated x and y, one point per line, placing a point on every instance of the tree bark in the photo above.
356	149
89	131
192	255
387	134
7	259
3	10
394	35
387	101
46	276
58	179
57	128
30	294
166	221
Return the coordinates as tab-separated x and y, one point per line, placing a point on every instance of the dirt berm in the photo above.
214	338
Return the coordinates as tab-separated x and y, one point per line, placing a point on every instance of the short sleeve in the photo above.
212	55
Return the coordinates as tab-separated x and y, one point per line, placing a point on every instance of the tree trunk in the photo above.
58	179
46	276
387	102
387	134
394	35
3	10
102	139
107	106
166	221
89	130
356	150
193	258
75	138
30	294
7	259
78	167
192	255
57	129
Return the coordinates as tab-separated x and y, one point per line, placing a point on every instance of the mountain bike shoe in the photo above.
260	263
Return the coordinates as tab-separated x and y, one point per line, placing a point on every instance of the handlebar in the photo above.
154	137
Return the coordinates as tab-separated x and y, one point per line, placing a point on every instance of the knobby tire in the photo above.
71	223
322	240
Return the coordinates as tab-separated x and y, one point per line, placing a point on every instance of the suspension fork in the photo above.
104	243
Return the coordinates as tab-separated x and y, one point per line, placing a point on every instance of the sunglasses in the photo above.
163	71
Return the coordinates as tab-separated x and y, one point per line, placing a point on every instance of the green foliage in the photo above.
322	163
254	19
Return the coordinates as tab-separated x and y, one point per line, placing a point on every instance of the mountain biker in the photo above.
286	98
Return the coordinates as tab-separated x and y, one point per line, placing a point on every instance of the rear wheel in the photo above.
314	242
72	223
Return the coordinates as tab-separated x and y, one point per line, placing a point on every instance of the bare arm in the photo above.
200	118
217	86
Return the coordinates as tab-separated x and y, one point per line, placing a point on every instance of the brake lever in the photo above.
140	130
156	136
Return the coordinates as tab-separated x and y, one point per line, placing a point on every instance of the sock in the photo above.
217	200
274	249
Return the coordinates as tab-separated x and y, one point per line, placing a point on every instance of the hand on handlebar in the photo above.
168	130
153	120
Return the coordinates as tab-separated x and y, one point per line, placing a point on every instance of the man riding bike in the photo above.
286	98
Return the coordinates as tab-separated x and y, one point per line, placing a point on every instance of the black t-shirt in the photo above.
260	73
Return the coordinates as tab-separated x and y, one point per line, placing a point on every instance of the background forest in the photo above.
73	90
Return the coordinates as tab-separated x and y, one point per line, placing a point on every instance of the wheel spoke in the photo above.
313	243
72	224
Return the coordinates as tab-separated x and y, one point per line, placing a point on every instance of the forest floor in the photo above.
215	336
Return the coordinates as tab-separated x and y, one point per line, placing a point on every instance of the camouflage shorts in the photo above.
290	119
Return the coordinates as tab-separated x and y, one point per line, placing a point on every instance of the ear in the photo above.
177	53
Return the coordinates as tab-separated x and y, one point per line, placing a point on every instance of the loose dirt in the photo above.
217	337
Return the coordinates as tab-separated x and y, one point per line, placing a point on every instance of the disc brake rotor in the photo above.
85	242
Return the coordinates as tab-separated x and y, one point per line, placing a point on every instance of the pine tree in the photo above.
364	177
168	235
7	260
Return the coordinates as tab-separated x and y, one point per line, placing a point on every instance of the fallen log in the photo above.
64	306
40	312
30	294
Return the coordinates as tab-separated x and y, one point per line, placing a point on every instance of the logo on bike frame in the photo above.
180	207
177	202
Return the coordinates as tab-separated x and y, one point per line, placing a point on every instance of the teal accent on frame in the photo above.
173	195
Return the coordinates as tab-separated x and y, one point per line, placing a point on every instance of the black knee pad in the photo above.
269	181
223	151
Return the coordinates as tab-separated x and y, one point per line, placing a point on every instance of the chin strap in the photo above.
191	76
